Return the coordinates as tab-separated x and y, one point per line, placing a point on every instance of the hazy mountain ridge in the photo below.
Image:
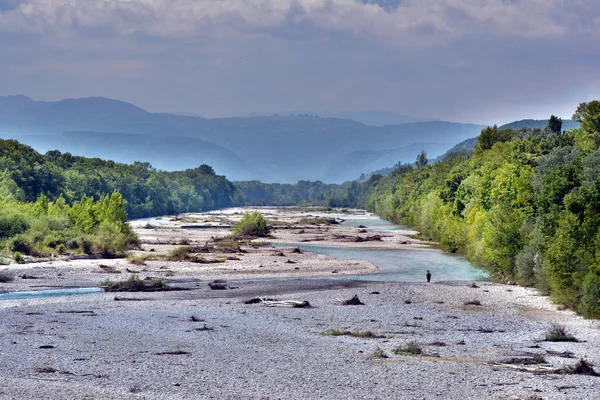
271	149
539	123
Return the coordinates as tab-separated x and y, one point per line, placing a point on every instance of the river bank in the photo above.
477	339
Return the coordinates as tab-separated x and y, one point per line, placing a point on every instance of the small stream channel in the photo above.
47	293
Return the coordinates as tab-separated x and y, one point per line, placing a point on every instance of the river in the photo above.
399	265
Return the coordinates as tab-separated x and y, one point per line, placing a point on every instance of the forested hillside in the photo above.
26	174
348	194
56	203
524	205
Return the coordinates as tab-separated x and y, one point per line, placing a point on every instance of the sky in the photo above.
480	61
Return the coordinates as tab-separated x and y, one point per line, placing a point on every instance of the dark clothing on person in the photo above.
428	275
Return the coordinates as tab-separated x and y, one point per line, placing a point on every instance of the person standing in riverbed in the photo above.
428	275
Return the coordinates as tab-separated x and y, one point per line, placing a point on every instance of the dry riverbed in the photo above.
454	340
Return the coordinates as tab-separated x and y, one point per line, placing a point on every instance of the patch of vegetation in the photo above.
533	359
410	348
18	257
357	334
228	245
135	284
583	367
180	253
379	353
140	259
559	333
522	204
252	224
4	261
317	221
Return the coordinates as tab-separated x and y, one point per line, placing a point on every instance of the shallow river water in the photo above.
401	265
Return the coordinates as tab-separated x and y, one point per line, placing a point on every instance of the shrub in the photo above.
18	257
180	253
21	244
558	333
135	284
379	353
109	240
412	348
252	224
228	245
12	224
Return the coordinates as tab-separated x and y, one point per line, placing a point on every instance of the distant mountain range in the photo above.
270	148
539	123
366	117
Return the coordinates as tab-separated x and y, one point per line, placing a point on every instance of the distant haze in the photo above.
270	148
482	61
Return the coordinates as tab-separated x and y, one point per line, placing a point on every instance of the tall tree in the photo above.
555	124
422	159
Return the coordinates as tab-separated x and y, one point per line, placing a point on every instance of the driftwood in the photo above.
286	303
354	301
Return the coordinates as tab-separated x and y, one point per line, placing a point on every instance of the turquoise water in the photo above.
47	293
402	264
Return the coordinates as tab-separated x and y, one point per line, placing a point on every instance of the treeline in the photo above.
26	174
524	204
348	195
50	228
59	203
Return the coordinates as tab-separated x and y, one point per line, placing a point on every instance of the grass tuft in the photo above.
558	333
411	348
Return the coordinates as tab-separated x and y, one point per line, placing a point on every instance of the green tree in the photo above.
422	159
555	124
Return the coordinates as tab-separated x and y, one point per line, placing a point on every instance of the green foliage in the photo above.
57	179
492	135
251	224
411	348
525	206
421	160
12	224
349	194
558	333
555	124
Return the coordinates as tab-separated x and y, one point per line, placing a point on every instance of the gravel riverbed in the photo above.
473	340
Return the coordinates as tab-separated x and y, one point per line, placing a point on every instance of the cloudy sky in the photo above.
482	61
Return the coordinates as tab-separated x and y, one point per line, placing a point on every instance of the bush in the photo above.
12	224
18	257
109	240
412	348
21	244
252	224
558	333
180	253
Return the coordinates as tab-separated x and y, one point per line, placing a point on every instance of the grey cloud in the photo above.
396	21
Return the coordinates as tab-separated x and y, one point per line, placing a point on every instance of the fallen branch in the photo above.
286	303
